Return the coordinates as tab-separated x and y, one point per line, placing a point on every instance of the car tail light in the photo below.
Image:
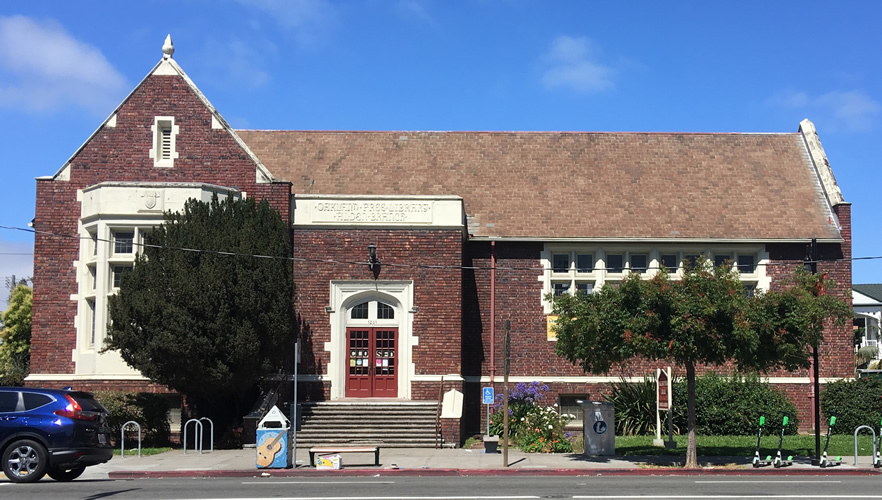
74	410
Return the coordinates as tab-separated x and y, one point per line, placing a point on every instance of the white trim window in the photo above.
573	269
163	151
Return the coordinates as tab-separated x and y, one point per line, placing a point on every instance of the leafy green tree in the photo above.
15	350
702	319
209	323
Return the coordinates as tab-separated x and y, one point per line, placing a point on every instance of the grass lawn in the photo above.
132	451
745	446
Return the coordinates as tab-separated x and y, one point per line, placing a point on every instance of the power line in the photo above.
362	263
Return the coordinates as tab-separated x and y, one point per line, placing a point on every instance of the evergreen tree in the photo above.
208	307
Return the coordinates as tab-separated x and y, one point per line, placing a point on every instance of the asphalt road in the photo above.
437	488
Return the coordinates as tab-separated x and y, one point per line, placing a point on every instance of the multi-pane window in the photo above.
385	311
123	242
669	260
690	260
746	264
586	288
90	305
561	288
118	271
720	259
749	289
638	263
560	263
359	312
584	263
615	263
93	278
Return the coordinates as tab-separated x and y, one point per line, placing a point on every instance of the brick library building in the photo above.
413	250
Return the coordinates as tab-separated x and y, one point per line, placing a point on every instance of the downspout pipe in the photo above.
492	310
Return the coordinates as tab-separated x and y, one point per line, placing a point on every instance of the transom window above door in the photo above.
372	310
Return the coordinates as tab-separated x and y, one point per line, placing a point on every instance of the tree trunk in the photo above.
691	446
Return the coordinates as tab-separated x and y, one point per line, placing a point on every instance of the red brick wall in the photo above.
518	293
341	254
121	154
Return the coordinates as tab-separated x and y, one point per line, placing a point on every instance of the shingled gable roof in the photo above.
575	186
167	66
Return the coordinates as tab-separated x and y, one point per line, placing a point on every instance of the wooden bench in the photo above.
344	449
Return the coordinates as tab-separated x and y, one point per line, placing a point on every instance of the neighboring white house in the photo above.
867	303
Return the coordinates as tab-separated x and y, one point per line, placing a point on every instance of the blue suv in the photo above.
51	431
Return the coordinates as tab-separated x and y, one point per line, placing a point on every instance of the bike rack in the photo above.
211	434
198	429
873	450
122	438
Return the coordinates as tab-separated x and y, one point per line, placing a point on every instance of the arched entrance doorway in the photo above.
372	341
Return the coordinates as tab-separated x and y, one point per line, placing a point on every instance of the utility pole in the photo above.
811	264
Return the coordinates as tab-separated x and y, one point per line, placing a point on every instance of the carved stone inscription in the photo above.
416	212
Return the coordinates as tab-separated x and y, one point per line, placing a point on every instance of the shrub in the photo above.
732	405
724	406
533	427
854	403
542	430
149	410
635	407
520	400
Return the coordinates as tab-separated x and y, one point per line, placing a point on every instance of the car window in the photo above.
8	401
33	401
86	401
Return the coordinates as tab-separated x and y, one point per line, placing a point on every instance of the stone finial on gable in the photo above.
168	48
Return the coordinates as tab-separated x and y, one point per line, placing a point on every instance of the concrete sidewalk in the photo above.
421	461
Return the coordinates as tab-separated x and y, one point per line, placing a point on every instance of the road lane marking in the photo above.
317	482
761	481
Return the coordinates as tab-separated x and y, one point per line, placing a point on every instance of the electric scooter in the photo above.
826	462
757	461
779	461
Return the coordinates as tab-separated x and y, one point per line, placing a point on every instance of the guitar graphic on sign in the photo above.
267	451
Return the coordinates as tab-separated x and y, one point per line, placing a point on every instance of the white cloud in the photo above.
306	19
44	68
574	63
16	259
851	110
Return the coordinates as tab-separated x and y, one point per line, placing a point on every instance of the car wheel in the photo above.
66	475
25	461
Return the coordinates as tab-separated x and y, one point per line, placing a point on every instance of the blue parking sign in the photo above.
488	395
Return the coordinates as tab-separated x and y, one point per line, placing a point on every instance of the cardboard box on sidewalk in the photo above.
328	462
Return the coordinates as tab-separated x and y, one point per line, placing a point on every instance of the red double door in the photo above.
372	367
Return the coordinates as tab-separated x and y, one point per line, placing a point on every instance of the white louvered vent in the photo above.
166	145
164	132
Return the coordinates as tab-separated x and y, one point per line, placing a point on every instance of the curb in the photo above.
307	472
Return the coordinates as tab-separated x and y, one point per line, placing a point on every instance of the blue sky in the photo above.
750	66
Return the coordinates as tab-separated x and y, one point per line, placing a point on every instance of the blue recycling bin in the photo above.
273	441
